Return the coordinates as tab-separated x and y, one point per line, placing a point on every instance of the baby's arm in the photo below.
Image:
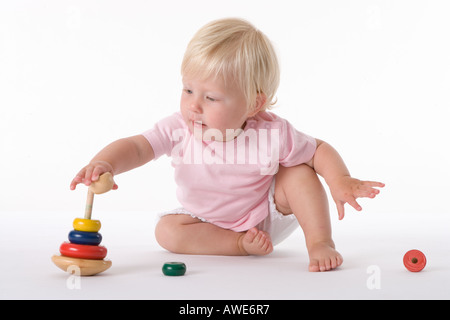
120	156
344	189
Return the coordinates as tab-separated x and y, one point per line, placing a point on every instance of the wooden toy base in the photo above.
87	267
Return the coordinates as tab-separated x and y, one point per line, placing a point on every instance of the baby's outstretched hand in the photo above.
347	189
91	173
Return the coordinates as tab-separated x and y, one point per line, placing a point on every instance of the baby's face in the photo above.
208	105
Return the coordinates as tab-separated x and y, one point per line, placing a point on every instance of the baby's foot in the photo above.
323	257
255	242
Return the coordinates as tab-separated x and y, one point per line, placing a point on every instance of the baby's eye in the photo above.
188	91
211	99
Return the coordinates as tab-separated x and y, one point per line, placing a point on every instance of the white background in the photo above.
372	78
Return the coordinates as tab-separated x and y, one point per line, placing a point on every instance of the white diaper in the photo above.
276	224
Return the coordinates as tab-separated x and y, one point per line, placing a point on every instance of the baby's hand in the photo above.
347	189
91	173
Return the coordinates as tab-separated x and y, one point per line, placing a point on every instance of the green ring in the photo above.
174	269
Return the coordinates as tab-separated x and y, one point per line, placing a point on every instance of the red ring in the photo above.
82	251
414	260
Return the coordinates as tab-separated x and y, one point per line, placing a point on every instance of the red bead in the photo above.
414	260
82	251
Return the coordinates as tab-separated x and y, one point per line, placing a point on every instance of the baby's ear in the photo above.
261	99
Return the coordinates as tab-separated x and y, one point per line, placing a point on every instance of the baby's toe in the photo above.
251	235
314	266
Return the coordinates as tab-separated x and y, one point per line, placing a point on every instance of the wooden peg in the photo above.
104	183
89	204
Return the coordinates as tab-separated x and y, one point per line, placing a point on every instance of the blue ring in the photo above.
86	238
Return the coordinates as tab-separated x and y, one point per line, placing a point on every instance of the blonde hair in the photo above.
235	50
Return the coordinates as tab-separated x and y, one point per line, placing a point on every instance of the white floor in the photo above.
373	248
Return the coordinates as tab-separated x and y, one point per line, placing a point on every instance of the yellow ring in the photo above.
86	225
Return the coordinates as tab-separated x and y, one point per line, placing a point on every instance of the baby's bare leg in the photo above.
182	233
298	190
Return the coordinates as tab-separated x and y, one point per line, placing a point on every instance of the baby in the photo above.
246	178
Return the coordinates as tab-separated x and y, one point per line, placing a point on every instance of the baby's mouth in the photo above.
198	124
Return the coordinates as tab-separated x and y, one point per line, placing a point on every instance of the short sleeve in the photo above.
297	147
165	134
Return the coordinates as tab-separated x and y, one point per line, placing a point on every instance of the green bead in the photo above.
174	268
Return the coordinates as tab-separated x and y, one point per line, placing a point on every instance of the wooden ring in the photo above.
86	267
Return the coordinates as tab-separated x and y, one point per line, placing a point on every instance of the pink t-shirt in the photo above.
227	183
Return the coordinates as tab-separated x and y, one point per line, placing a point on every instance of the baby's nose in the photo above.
196	107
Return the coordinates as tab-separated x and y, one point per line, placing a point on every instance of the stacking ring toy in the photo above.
414	260
174	268
82	251
83	255
86	225
86	238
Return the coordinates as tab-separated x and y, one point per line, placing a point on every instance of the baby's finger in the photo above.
75	181
375	184
88	176
340	209
354	204
78	179
97	172
366	191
